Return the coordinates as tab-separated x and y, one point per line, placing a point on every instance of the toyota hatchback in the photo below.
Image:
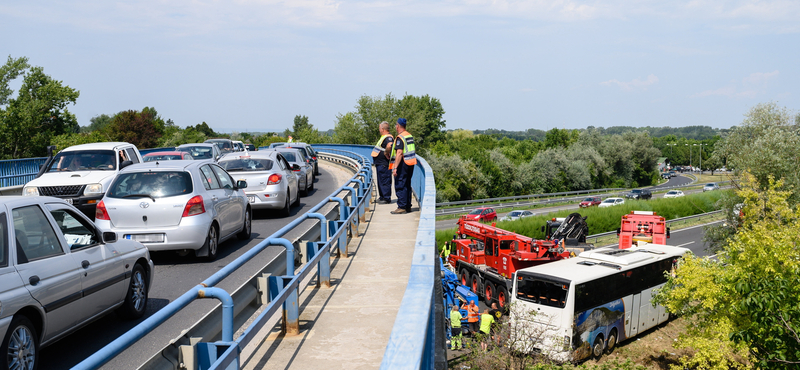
177	205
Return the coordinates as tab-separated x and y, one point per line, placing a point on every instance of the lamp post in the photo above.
690	156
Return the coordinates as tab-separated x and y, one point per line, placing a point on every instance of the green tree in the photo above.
349	131
300	124
425	116
38	113
97	123
142	129
185	136
206	130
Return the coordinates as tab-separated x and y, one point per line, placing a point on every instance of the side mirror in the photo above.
241	184
296	167
125	164
109	237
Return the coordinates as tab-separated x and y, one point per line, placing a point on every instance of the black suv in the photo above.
642	194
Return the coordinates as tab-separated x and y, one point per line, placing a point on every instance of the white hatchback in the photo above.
673	194
608	202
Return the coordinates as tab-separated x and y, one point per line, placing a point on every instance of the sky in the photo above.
253	65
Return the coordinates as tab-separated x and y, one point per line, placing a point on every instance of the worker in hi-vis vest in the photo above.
380	158
405	159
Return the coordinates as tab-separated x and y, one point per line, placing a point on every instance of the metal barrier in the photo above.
17	172
531	196
281	291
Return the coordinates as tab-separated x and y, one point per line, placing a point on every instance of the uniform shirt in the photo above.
496	313
486	323
381	158
455	319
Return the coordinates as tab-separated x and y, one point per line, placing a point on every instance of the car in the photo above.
272	183
481	214
201	151
589	202
60	273
639	194
310	153
516	215
608	202
239	146
673	194
665	175
184	206
710	186
225	145
250	147
167	156
304	171
672	174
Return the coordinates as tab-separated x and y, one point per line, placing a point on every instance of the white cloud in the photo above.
751	86
759	77
635	84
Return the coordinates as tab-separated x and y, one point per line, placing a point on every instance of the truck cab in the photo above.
82	173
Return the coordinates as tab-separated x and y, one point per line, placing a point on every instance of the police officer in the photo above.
380	158
405	158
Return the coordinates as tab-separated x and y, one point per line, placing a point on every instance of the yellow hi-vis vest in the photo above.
377	150
409	150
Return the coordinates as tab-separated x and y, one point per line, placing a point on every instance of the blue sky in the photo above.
252	65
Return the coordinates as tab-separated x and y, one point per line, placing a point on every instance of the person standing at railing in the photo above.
380	158
405	156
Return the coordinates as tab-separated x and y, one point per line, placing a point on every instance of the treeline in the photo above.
696	133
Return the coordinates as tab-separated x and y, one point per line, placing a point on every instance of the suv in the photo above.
225	145
640	194
81	174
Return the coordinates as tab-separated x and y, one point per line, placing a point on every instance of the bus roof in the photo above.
596	263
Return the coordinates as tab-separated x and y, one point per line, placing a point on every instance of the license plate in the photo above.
146	238
251	198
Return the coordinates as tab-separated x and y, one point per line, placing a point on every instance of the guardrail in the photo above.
531	196
280	291
16	172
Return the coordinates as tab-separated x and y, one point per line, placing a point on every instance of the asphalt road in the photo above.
174	276
675	181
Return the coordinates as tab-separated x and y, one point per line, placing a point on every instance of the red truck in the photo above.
644	226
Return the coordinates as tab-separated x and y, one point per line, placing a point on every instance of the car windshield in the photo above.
636	191
710	185
673	192
84	160
199	152
163	157
515	213
156	184
609	200
589	200
476	211
246	164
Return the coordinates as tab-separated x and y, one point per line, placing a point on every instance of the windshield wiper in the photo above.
140	196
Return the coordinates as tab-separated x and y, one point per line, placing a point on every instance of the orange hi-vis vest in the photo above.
473	315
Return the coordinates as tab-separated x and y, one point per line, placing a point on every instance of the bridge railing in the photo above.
17	172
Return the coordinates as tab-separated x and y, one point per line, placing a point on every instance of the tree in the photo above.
748	303
38	113
97	123
425	116
300	124
205	130
138	128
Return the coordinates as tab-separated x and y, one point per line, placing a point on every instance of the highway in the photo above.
174	276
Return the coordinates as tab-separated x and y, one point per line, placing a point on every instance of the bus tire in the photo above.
612	341
488	293
598	347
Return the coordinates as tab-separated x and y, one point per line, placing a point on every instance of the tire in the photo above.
21	345
474	284
612	341
296	201
304	192
211	244
247	228
502	298
286	211
465	281
313	178
488	293
598	347
136	296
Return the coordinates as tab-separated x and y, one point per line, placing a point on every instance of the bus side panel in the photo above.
628	302
647	313
597	322
634	318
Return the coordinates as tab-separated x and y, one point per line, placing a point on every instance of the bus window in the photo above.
547	293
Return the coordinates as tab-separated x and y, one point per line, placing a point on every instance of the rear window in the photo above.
247	164
290	157
543	290
158	184
199	152
476	211
166	157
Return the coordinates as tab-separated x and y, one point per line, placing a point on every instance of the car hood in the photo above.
73	178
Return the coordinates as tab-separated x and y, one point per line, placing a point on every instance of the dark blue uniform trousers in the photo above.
402	186
384	182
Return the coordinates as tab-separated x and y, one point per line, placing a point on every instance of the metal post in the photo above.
227	309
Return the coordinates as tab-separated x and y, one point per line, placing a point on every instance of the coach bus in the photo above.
585	305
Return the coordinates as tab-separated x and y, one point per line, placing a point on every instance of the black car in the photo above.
641	194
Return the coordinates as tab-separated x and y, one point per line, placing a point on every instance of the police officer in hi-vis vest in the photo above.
380	158
405	158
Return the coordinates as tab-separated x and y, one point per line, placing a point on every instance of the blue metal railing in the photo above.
283	289
16	172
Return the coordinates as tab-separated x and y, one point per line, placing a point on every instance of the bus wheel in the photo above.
475	284
597	348
502	298
488	291
612	341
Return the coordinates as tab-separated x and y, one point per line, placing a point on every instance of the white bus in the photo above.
585	305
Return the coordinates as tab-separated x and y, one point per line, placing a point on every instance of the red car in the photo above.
590	202
482	214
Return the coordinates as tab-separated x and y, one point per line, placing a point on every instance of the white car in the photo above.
271	182
516	215
710	186
60	273
673	194
608	202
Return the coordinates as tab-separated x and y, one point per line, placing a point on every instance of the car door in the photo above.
289	175
103	282
214	193
233	206
49	273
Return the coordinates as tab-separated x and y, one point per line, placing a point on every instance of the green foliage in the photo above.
613	364
67	140
38	113
204	129
142	129
300	124
179	137
97	123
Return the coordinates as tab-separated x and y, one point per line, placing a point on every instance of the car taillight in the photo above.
297	170
194	206
314	158
100	212
274	179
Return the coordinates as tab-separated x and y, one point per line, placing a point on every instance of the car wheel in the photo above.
612	341
136	296
313	178
21	345
247	227
304	192
597	347
286	211
211	244
296	201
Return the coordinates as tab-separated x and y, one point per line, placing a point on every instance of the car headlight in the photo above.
30	190
93	189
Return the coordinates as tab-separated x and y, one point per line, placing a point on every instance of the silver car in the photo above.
271	182
516	215
60	272
201	150
304	171
177	205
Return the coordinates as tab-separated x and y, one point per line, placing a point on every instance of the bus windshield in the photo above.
544	290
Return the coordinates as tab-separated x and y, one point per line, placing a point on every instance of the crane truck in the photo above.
642	226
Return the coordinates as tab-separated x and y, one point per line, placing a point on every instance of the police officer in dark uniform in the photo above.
405	156
380	158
